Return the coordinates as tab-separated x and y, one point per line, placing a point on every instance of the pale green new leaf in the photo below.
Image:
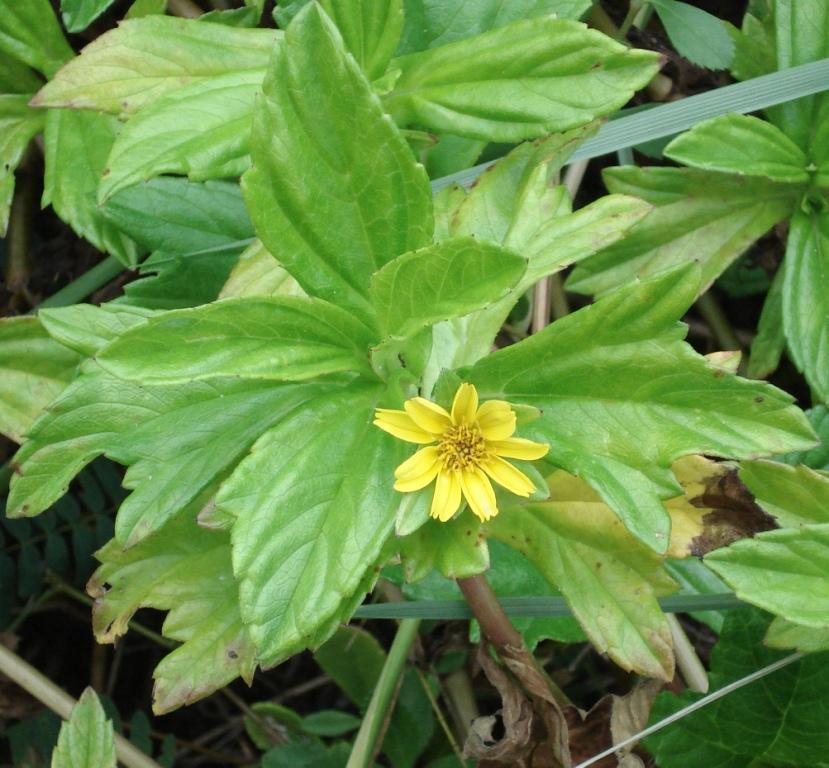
431	24
79	14
522	81
618	370
445	280
87	739
313	505
741	144
776	721
187	571
705	217
610	581
34	370
698	36
76	147
201	131
785	572
29	31
135	64
18	124
787	634
370	29
795	495
87	328
258	273
286	338
334	191
806	297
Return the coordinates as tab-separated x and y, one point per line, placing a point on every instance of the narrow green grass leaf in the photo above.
674	117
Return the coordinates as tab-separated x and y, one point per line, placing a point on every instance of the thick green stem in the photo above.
368	740
633	10
87	283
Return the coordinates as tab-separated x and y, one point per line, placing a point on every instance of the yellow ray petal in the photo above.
465	404
400	424
503	473
496	419
518	448
418	463
447	496
479	494
428	416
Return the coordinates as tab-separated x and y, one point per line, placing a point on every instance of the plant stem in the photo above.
368	742
498	629
185	8
633	10
60	702
687	660
87	283
717	321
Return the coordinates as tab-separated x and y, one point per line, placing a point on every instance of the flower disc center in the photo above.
462	447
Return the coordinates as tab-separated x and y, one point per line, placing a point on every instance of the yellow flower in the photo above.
464	450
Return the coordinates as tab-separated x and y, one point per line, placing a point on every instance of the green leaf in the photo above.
353	659
79	14
527	79
18	125
619	368
35	370
182	280
456	549
705	217
87	739
30	32
698	36
773	722
141	8
178	217
87	328
77	144
786	634
330	723
806	297
610	581
200	131
78	426
135	64
16	77
740	144
754	53
370	29
816	458
310	521
430	25
284	338
257	273
794	495
445	280
770	342
785	572
187	571
800	37
177	459
301	755
321	143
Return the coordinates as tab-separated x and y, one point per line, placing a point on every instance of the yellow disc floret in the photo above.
464	450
